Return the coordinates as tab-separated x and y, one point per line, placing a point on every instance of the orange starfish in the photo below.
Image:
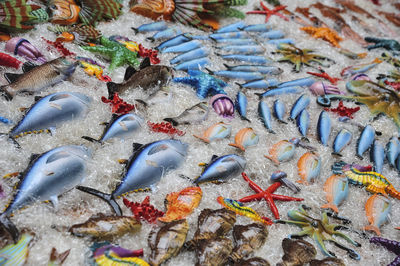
324	33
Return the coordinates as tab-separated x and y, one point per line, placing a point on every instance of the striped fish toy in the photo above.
16	254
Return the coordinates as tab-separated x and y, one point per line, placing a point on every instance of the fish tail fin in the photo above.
259	95
171	120
135	30
150	39
305	139
272	159
271	131
227	66
91	139
337	154
5	93
359	156
213	39
202	138
209	71
188	178
112	88
240	85
12	139
106	197
58	258
331	206
372	228
237	146
283	122
6	223
245	118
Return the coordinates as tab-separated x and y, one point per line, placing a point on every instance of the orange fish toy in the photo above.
282	151
309	167
377	209
337	189
217	131
244	138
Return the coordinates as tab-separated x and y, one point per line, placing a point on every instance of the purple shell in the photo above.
24	48
223	105
360	77
321	88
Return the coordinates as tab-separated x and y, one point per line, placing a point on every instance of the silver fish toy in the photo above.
300	104
193	54
265	116
47	177
365	140
279	110
144	169
120	126
270	70
343	138
36	78
192	115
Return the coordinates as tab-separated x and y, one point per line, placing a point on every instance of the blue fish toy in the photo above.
324	127
280	41
259	83
243	49
279	111
191	55
365	140
120	126
303	82
392	150
241	105
377	156
237	74
270	70
165	34
229	35
301	103
280	91
195	64
182	38
183	47
265	27
254	59
232	27
47	177
342	139
200	37
303	122
144	169
273	34
236	42
221	169
154	26
265	116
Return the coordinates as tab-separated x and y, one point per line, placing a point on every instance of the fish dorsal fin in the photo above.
136	146
33	157
213	157
57	156
28	66
158	148
145	63
129	72
12	77
58	97
37	98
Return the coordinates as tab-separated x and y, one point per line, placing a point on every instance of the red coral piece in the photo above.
165	127
152	54
326	76
144	211
394	85
60	47
342	110
119	106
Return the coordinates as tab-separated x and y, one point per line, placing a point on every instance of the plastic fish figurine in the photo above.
240	209
297	252
270	70
232	27
193	54
120	126
105	253
272	35
237	74
336	188
47	177
377	156
246	137
228	42
243	49
282	151
241	105
223	105
154	26
165	34
301	103
102	227
144	210
182	38
248	238
57	259
377	208
303	122
309	167
183	47
365	140
181	204
217	131
281	41
280	91
16	254
229	35
324	127
259	84
166	241
265	27
37	78
144	169
254	59
192	115
279	110
343	138
149	79
222	168
302	82
392	150
50	111
195	64
362	68
214	252
265	116
22	47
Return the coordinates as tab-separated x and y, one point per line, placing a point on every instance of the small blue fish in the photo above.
154	26
280	41
255	59
365	141
265	115
301	103
243	49
303	122
343	138
303	82
241	105
280	91
273	34
232	27
237	74
279	111
392	150
236	41
259	84
195	64
270	70
377	156
183	47
165	34
182	38
194	54
324	127
257	28
229	35
200	37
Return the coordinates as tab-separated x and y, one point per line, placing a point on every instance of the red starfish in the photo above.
119	106
267	195
342	110
325	75
268	12
144	210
